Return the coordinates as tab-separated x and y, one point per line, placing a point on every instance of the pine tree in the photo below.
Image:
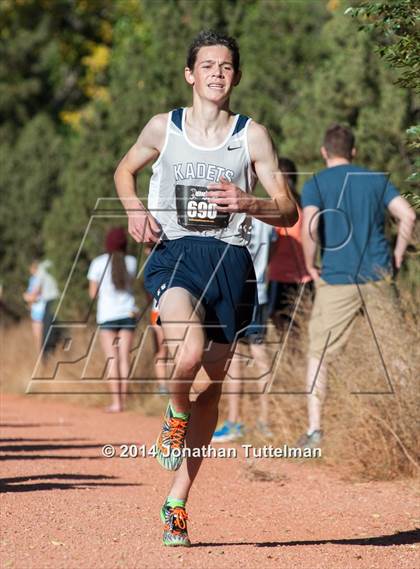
353	86
28	177
280	49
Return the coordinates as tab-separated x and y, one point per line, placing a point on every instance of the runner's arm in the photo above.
310	239
280	208
401	210
141	224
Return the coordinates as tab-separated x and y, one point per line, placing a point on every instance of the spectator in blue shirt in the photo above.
344	209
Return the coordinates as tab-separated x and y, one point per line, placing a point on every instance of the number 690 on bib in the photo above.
194	212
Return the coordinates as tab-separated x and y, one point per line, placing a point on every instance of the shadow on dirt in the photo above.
400	538
30	425
25	440
41	447
69	482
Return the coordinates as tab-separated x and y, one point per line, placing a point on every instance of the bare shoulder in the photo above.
157	125
153	134
259	141
257	132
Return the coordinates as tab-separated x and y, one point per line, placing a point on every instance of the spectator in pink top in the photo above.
289	280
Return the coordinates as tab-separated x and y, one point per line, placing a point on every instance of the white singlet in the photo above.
181	174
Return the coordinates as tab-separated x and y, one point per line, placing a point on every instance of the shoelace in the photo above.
177	431
178	519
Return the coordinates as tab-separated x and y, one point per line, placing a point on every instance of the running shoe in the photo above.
175	529
264	430
228	432
310	441
171	440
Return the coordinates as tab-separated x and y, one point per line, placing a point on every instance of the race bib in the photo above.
195	212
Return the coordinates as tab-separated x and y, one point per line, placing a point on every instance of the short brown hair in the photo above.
339	141
208	38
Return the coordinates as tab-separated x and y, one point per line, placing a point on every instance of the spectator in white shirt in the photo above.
111	276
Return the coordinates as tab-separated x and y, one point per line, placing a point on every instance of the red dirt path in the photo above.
64	506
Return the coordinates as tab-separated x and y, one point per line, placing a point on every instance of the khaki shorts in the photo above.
337	307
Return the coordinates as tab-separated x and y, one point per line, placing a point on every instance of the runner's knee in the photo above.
211	395
189	363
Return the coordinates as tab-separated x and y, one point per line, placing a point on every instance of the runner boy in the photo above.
206	161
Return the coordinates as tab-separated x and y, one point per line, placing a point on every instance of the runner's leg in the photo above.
233	389
203	420
181	319
161	355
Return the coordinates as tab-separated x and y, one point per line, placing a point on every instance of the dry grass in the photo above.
66	375
377	436
368	436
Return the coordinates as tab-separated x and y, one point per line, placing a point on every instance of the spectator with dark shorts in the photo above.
233	429
161	351
290	283
111	276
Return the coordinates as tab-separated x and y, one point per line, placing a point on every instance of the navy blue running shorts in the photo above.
220	275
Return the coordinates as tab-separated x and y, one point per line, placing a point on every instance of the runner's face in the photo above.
213	76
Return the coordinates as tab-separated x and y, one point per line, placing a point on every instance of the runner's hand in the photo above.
228	197
143	227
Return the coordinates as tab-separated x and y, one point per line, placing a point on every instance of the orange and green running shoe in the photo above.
175	529
171	440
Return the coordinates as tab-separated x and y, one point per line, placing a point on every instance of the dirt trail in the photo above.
65	506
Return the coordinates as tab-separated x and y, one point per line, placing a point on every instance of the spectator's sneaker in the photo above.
175	529
163	390
264	430
228	432
310	441
171	440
